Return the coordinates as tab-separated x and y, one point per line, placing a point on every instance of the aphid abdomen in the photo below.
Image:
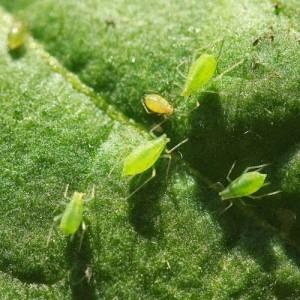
201	72
73	214
245	185
157	104
144	156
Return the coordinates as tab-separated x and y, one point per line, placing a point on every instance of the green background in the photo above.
70	111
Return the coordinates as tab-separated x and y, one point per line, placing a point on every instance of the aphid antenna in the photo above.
265	195
255	168
176	146
55	219
209	46
91	195
229	69
143	184
230	171
168	155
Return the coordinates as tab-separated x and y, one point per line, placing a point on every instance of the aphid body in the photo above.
17	36
245	185
71	218
144	156
200	73
157	104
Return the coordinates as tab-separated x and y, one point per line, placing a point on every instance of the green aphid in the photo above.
245	185
17	36
145	156
72	217
200	73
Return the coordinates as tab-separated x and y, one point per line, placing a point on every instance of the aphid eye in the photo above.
17	36
200	73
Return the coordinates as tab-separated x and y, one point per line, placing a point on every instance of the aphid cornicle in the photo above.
249	182
145	156
154	103
17	36
200	73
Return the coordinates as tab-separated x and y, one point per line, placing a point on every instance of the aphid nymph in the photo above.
249	182
72	216
17	36
200	73
154	103
145	156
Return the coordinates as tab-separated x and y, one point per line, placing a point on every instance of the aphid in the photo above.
145	156
72	217
17	36
154	103
249	182
200	73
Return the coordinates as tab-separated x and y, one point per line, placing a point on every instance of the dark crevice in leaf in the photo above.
144	206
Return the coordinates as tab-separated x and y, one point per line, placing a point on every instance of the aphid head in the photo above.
77	197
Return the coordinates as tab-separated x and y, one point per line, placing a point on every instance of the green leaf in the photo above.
66	116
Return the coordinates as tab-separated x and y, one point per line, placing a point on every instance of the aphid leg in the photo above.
257	168
197	105
111	170
169	157
55	219
226	208
246	204
265	195
66	191
230	171
178	69
83	228
145	107
158	125
145	182
91	196
221	48
176	146
229	69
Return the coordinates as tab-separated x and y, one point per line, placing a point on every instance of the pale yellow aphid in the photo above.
17	36
155	103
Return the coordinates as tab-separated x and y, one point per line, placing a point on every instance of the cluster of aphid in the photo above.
145	156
